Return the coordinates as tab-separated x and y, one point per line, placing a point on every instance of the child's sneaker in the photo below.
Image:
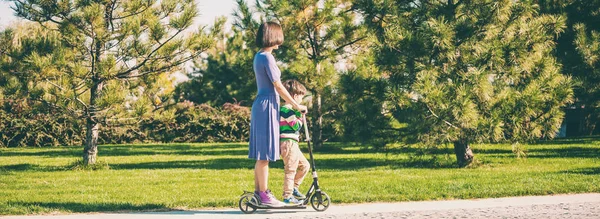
291	201
298	195
267	199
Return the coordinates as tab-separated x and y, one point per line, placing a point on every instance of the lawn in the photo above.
189	176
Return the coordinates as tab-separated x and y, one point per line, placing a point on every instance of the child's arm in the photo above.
298	120
287	97
290	118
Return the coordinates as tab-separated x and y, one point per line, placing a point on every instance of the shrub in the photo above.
23	126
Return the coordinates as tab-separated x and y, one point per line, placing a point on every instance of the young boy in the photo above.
295	164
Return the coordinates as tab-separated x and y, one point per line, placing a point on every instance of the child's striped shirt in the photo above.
290	122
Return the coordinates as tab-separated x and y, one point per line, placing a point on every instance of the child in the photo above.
293	159
264	120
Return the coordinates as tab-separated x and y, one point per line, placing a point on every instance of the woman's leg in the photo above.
261	175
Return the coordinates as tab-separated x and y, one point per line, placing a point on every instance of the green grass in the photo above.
183	176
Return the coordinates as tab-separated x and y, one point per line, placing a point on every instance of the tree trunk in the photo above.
92	126
90	151
91	142
464	155
590	121
317	114
317	121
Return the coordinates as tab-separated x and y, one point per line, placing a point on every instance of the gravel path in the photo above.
589	210
545	207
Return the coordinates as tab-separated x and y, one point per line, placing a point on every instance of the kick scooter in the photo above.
318	199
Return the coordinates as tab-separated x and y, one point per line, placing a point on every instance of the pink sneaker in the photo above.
268	199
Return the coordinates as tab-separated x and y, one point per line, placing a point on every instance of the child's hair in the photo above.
269	34
294	87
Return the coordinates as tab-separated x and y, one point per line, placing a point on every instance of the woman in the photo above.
264	123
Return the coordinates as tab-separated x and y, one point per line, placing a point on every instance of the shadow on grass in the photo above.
568	152
419	157
563	141
217	164
133	150
244	163
330	148
584	171
38	152
337	148
30	167
74	207
322	164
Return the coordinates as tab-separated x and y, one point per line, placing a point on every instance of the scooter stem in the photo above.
312	160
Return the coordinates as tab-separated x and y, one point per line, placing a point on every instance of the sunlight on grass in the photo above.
183	176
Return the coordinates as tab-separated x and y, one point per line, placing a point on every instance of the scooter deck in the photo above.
282	207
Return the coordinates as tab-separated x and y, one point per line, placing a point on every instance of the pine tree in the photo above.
107	48
471	71
363	116
31	118
226	74
578	50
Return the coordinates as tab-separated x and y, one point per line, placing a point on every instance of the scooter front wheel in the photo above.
320	201
245	203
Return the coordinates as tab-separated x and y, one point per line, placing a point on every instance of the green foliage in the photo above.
199	123
80	165
318	34
476	71
24	124
226	74
471	70
578	51
90	55
363	115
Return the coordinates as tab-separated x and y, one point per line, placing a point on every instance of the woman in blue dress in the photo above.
264	123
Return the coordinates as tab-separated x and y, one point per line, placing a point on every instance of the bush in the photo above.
23	126
201	123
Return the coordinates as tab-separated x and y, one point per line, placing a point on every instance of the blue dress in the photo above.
264	122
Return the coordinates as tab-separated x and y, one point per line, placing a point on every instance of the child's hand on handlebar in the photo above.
302	108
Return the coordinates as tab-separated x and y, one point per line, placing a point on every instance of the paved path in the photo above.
546	207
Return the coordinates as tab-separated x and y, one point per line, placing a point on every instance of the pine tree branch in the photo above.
41	18
133	13
436	116
34	11
109	17
160	70
311	42
308	54
55	85
63	89
125	73
78	113
349	43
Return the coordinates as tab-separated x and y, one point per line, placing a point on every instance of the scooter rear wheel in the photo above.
245	205
320	201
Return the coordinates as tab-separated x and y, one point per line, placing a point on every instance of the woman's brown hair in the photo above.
269	34
294	87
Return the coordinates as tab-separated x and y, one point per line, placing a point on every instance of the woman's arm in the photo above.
287	97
